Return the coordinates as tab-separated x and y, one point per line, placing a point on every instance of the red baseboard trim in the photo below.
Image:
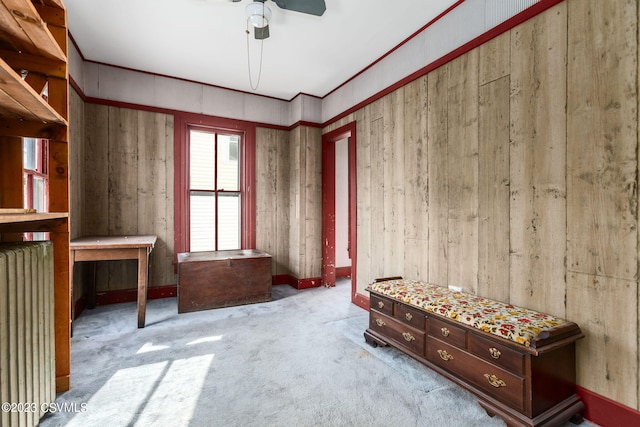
606	412
129	295
315	282
361	301
125	295
287	279
282	279
343	272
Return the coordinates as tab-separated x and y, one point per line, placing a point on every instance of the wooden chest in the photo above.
222	279
532	385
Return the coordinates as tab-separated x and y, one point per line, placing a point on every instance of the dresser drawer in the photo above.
383	305
409	315
497	354
504	386
447	332
408	337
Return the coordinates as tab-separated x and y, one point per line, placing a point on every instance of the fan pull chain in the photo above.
249	60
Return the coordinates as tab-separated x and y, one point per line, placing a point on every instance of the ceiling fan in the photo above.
258	13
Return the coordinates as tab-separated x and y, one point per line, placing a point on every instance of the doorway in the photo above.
333	142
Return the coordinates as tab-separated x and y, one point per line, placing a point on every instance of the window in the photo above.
214	191
36	179
214	176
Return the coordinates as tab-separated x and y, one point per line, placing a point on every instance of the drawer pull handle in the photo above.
445	356
408	316
407	336
495	381
380	322
495	353
380	304
445	332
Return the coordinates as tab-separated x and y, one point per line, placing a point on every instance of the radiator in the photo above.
27	343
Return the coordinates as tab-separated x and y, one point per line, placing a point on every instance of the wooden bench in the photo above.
518	362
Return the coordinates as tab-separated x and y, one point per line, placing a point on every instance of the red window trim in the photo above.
185	121
41	171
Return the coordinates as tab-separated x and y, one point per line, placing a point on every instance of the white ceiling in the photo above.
205	40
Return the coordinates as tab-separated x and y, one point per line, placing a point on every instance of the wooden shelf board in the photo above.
8	218
33	222
23	26
19	101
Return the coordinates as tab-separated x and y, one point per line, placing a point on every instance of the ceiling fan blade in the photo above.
261	33
311	7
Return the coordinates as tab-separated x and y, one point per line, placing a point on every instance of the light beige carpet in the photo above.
299	360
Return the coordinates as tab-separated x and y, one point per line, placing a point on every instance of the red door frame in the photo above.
329	140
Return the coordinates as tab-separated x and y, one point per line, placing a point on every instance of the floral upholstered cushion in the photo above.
504	320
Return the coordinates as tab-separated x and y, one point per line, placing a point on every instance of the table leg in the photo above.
72	306
91	294
143	271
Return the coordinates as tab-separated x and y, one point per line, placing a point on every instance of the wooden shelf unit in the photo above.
34	102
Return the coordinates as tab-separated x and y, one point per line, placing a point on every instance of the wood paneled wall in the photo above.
127	182
512	171
273	208
305	200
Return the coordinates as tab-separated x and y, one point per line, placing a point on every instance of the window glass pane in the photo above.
203	228
202	160
228	165
30	147
229	221
39	194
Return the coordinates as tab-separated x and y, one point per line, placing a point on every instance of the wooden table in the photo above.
106	248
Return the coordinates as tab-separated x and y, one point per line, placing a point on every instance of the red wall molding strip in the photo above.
606	412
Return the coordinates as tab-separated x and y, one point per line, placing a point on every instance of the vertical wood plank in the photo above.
538	162
123	188
494	59
282	214
602	194
96	184
76	163
416	226
493	168
602	115
462	171
393	172
266	192
437	119
493	189
364	205
152	197
95	172
294	195
312	259
378	252
58	307
607	357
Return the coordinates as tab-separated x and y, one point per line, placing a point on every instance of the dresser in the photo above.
518	362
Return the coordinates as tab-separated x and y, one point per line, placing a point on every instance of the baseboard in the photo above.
361	301
125	295
129	295
343	272
606	412
287	279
